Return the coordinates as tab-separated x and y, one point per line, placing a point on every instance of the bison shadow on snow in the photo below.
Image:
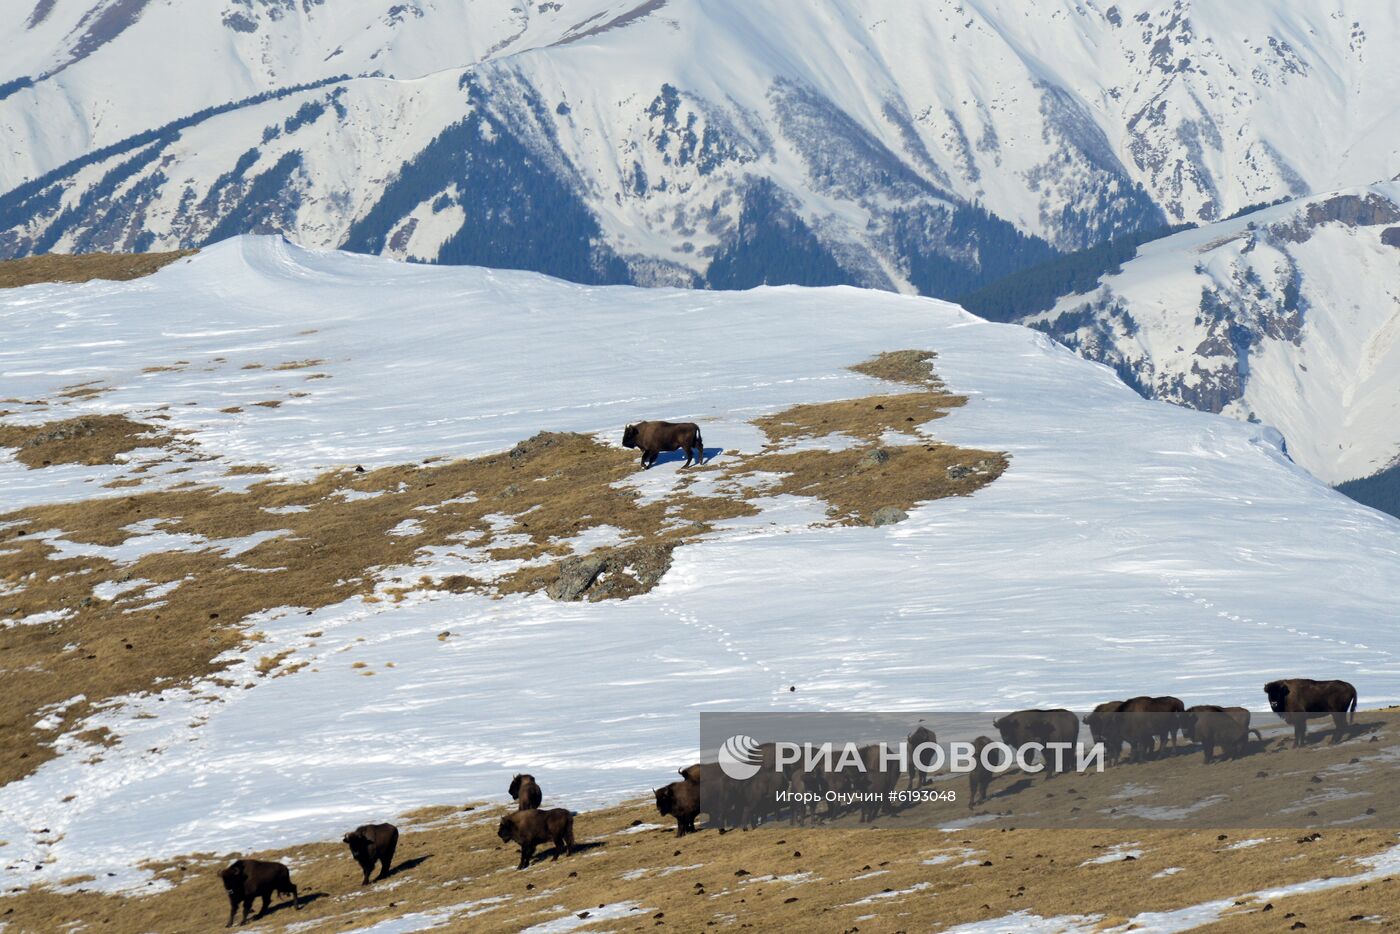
674	457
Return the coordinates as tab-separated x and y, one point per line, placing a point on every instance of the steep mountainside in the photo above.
898	144
1289	315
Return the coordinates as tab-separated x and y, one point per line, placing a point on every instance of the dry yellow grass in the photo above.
89	439
59	267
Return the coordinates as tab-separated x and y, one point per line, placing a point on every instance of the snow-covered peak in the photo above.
672	141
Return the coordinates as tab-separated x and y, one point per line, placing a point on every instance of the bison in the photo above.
922	736
701	772
879	780
1296	700
1171	705
1039	726
654	437
525	792
1104	727
805	785
680	800
1188	720
247	879
980	778
1147	723
720	796
1226	727
756	799
533	827
373	843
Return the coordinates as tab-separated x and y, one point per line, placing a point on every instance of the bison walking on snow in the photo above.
654	437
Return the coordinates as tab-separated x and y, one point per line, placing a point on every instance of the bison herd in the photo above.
1145	725
247	880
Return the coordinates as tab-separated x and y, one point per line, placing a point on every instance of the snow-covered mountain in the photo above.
1131	546
1289	315
901	144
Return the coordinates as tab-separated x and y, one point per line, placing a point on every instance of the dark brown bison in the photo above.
743	804
921	736
1148	723
680	800
754	800
879	780
533	827
1171	705
1188	723
980	778
701	772
805	784
1039	726
1104	728
654	437
721	797
837	781
373	843
525	792
1296	700
1226	727
247	879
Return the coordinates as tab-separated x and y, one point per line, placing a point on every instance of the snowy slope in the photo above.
103	70
1289	315
1131	546
633	133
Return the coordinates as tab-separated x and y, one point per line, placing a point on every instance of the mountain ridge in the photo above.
928	148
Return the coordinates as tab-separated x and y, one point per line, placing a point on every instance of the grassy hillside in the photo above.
633	874
59	267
